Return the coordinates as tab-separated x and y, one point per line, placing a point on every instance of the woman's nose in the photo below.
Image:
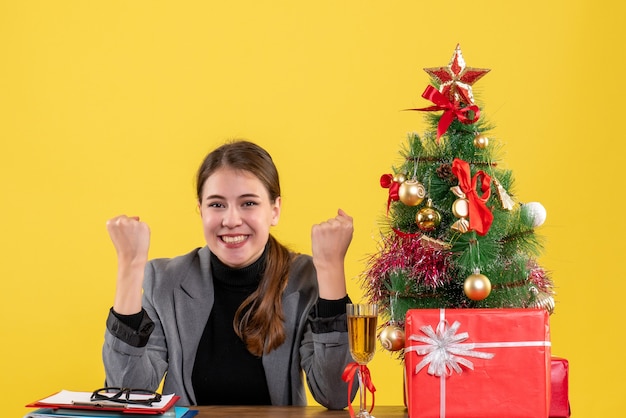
232	217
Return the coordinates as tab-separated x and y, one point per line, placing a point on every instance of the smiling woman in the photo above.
234	322
237	206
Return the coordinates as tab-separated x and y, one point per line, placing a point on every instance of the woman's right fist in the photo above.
131	238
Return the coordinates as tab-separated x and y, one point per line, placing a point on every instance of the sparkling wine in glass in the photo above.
362	322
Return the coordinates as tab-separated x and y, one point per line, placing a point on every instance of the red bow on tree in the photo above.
387	182
348	375
480	217
451	110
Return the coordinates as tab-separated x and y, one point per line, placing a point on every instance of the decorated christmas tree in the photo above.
454	235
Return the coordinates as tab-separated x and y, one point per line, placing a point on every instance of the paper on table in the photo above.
176	412
67	397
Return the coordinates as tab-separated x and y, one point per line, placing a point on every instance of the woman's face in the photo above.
236	216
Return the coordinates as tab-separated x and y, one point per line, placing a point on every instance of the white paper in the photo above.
67	397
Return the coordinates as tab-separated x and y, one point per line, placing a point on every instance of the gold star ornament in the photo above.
456	80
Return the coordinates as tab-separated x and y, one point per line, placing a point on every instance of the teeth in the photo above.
233	240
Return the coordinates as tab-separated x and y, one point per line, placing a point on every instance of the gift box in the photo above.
559	404
477	363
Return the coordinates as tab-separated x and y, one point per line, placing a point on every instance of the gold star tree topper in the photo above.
455	80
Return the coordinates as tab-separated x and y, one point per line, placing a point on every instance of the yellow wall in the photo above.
107	107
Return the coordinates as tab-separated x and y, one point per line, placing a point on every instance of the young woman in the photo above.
237	321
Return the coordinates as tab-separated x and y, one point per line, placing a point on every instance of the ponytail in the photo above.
259	321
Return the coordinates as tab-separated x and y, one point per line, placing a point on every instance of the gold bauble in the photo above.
542	299
399	178
481	141
411	192
392	338
477	286
428	218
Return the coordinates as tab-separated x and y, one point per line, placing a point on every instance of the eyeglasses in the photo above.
126	396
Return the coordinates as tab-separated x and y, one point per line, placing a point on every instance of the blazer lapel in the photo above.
193	302
277	363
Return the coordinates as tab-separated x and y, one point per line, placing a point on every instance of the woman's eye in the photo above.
215	205
250	204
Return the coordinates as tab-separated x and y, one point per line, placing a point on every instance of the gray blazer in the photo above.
178	297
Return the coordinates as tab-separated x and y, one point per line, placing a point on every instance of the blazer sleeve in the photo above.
136	358
324	354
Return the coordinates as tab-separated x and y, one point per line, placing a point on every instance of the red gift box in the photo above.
559	405
478	363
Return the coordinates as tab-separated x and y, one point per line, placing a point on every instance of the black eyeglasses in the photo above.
127	396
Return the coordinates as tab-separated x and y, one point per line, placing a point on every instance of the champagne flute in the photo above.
362	322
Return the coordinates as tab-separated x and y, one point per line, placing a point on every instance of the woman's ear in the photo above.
276	211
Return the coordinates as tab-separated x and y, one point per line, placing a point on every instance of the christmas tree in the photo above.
453	235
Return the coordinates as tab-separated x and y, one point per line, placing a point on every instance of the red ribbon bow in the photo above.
480	217
387	182
451	110
405	235
348	376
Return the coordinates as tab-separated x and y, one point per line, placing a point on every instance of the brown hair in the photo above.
259	319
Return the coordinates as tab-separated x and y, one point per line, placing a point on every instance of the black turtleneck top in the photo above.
225	372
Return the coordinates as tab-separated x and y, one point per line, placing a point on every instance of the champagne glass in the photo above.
362	322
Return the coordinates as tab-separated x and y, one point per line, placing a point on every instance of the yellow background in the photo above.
107	107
